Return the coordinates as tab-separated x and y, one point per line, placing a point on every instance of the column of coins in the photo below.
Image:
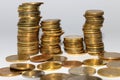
50	40
73	44
92	31
28	29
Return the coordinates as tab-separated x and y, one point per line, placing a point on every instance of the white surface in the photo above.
71	13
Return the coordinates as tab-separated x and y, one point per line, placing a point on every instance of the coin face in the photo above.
71	64
58	58
109	72
94	62
33	74
114	64
17	58
94	13
40	58
7	72
51	65
82	71
22	66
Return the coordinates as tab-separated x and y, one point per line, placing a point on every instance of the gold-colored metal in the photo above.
82	71
109	72
33	74
94	62
6	72
17	58
72	63
114	64
94	13
51	65
58	58
41	58
22	66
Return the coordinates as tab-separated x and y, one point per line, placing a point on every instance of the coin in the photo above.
94	13
6	72
109	72
17	58
51	65
94	62
114	64
56	76
84	77
71	64
33	74
22	66
40	58
58	58
82	71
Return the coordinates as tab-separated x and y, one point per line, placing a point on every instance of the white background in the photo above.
70	12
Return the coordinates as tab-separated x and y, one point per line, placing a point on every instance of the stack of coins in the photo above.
92	32
28	29
73	44
50	40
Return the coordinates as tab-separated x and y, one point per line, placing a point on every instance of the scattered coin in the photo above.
114	64
58	58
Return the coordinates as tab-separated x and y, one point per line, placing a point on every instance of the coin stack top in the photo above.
92	32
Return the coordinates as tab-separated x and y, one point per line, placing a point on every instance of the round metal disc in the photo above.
58	58
114	64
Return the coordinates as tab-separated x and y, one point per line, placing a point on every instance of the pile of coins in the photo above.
50	40
92	32
28	29
73	44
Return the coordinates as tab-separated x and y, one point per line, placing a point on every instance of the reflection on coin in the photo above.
7	72
16	58
84	77
58	58
114	64
71	64
82	71
109	72
55	76
51	65
40	58
94	62
33	74
22	66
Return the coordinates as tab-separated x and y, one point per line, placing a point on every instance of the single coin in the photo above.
58	58
114	64
6	72
110	55
82	71
17	58
40	58
22	66
94	13
33	74
56	76
84	77
71	64
51	21
94	62
51	65
109	72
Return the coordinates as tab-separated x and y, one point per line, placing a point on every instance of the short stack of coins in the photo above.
28	28
50	40
92	32
73	44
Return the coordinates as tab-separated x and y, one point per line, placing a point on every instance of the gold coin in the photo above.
110	55
56	76
51	21
114	64
17	58
109	72
72	64
33	74
82	71
22	66
84	77
32	3
6	72
51	65
40	58
58	58
94	62
94	13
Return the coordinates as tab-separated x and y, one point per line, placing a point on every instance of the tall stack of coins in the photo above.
73	44
50	40
92	32
28	29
